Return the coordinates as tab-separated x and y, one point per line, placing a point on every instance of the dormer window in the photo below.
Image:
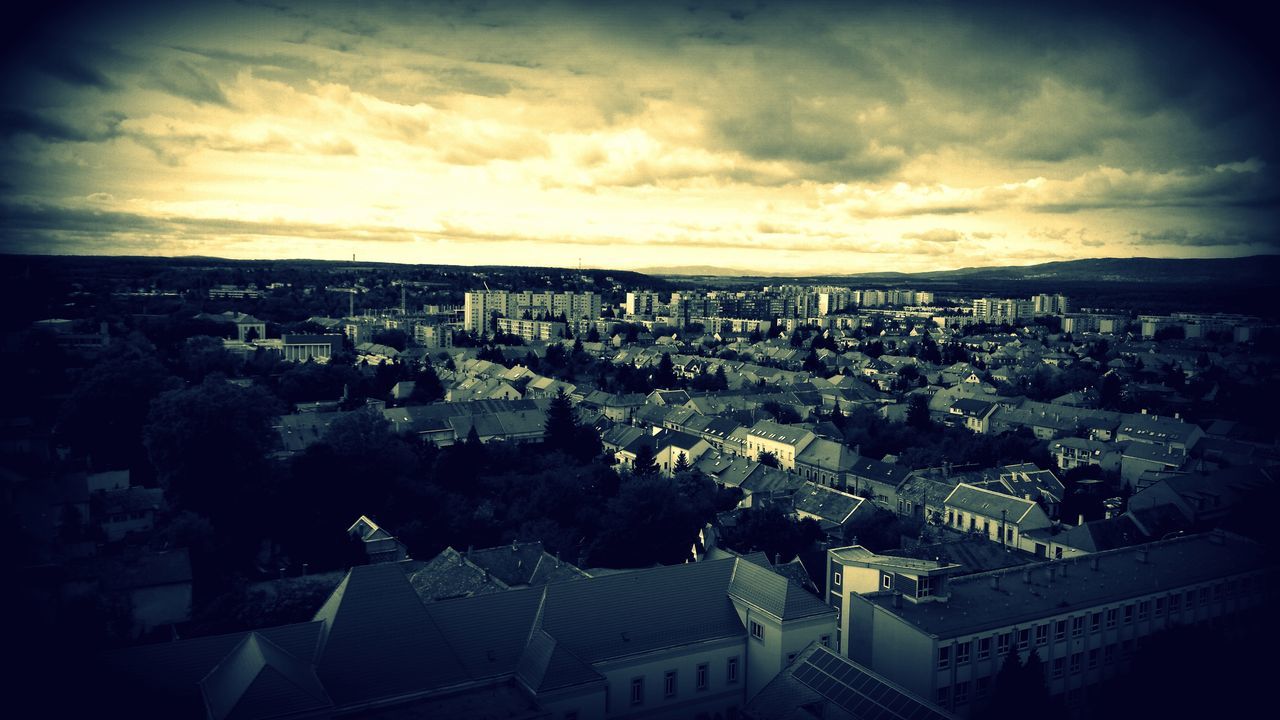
925	587
886	581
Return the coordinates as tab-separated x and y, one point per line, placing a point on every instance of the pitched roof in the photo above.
827	503
547	665
258	679
379	640
989	503
787	434
635	612
772	593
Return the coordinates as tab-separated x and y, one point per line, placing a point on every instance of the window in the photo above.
1002	643
1024	638
1093	658
637	691
1008	534
757	630
1042	634
1057	553
1095	622
944	657
962	692
925	587
886	581
962	652
981	687
669	684
1112	613
1204	595
1144	609
700	676
1175	603
1127	647
791	657
944	695
1077	626
1128	613
1076	659
1191	599
1109	654
984	648
1160	607
825	641
1060	631
835	578
731	670
1058	665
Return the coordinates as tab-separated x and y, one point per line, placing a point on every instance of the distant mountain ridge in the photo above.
1255	269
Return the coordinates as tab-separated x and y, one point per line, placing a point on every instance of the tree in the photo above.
561	425
665	376
768	459
918	412
104	416
209	446
427	387
722	382
682	464
203	355
645	464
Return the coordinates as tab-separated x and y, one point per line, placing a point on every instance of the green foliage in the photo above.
645	464
767	528
209	446
664	377
427	387
104	416
767	459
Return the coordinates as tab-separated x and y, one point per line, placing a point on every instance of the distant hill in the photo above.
1252	270
697	270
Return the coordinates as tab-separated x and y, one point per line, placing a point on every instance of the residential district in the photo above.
779	502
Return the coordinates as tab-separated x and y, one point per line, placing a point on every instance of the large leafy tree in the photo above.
105	414
209	445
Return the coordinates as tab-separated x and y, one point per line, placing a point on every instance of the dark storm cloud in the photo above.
16	121
75	71
1187	238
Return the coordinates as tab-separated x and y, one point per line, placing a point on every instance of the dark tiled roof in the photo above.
641	611
379	641
260	680
488	633
827	503
989	503
546	665
765	589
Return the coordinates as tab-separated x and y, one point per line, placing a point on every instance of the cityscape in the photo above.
704	361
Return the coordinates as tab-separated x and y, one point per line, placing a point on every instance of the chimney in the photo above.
995	582
1142	555
897	599
1052	572
1080	521
1026	577
1062	569
776	558
1093	563
938	560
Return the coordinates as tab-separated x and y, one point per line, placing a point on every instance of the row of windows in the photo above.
671	681
1139	611
960	691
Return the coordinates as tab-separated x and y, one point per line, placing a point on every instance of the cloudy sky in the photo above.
801	137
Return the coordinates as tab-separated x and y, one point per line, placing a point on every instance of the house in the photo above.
996	516
1138	458
126	511
826	462
835	511
379	545
784	442
695	638
974	414
1172	433
301	348
1028	481
1084	618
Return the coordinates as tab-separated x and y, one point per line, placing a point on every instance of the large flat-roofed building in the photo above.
480	306
1083	617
